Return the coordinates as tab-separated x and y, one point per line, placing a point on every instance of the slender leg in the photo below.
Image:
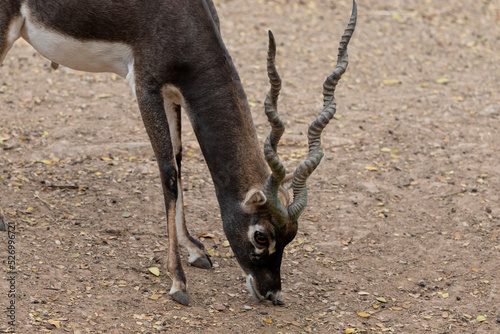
150	102
198	257
11	23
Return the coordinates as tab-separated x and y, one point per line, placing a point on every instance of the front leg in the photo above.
198	256
11	23
150	102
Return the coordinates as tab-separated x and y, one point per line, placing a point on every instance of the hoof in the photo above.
202	262
181	297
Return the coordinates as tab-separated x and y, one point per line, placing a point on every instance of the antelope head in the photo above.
274	220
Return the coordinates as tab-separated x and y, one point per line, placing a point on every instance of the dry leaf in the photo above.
155	271
443	80
56	323
211	236
391	82
481	318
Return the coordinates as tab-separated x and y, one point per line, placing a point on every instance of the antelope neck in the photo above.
223	125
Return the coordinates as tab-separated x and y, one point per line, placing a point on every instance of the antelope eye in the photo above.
260	238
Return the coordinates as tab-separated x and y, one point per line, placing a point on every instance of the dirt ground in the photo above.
402	229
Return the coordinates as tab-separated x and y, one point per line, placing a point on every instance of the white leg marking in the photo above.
130	79
170	111
173	94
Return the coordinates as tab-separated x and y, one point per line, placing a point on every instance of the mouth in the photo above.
251	288
272	296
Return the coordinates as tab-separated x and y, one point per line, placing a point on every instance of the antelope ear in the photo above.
253	200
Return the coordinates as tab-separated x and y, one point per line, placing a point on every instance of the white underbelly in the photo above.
89	56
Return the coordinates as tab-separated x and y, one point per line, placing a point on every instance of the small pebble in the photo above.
247	308
219	307
332	308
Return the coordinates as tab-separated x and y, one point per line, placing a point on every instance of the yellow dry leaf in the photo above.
350	330
269	320
46	162
372	169
364	314
56	323
154	297
397	17
443	80
480	318
225	243
391	82
155	271
106	159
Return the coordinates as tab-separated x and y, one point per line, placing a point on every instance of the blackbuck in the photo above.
172	55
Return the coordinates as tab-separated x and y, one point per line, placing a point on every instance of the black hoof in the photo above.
202	262
181	297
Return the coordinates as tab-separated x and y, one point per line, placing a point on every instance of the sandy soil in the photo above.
402	229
